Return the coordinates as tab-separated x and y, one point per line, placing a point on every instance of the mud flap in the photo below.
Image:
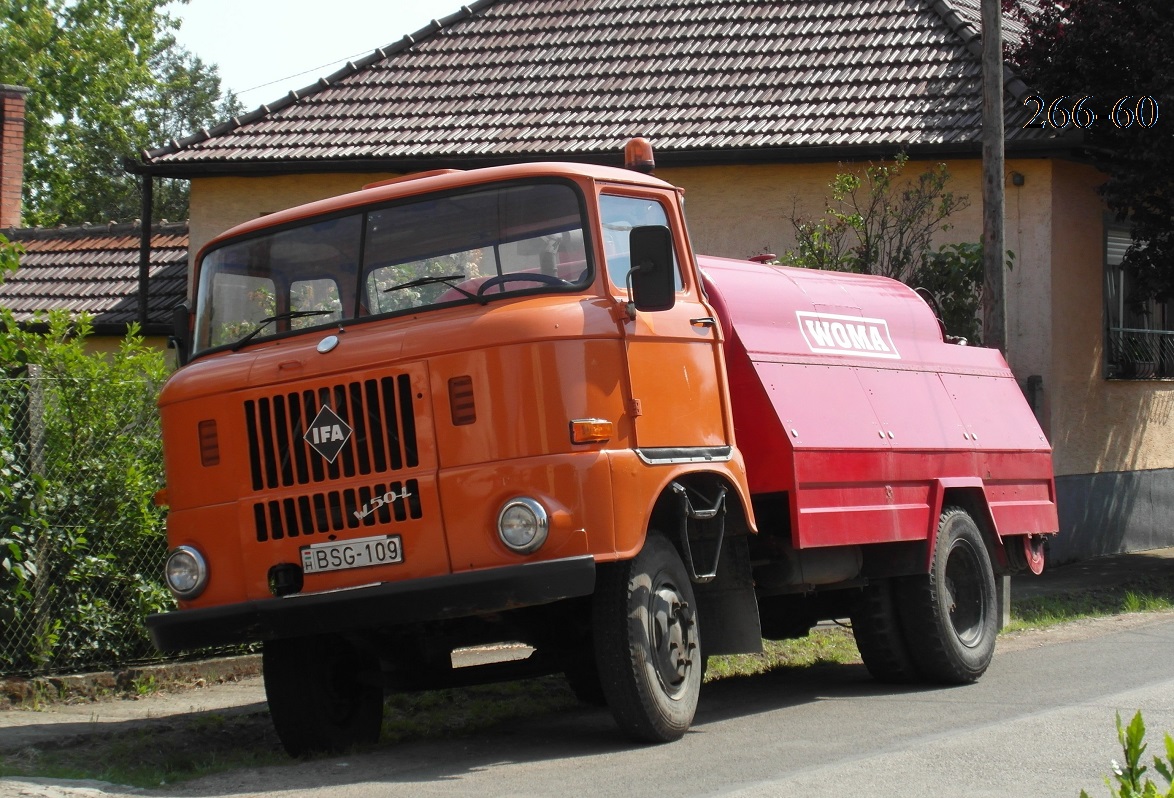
727	608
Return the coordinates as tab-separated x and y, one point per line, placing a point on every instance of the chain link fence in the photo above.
81	543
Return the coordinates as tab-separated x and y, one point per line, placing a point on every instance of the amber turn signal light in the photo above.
590	430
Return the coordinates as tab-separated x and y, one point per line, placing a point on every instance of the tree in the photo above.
187	98
1116	52
10	252
878	223
107	79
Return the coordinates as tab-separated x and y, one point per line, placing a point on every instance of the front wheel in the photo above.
323	695
647	643
951	617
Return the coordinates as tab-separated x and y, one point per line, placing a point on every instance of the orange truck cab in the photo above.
511	404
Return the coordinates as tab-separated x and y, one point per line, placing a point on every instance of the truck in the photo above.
512	405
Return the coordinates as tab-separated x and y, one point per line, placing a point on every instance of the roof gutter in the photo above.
145	247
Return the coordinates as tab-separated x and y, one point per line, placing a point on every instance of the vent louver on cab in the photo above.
461	402
336	510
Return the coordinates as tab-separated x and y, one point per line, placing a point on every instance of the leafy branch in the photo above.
1129	774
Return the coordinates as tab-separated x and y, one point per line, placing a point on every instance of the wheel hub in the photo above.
674	638
964	596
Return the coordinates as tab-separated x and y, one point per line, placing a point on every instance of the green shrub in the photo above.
1129	773
81	543
877	221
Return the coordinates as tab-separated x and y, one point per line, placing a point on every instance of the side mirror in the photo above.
179	332
651	282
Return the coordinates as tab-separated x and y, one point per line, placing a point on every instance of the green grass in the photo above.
1138	595
160	752
824	645
460	711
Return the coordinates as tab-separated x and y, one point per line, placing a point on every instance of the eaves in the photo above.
1067	148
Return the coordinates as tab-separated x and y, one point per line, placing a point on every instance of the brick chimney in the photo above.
11	153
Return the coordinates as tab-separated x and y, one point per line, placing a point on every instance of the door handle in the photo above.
704	321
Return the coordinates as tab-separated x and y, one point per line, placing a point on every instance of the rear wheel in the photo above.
322	693
647	643
877	629
951	617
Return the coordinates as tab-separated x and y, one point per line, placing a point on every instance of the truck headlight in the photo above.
186	572
522	525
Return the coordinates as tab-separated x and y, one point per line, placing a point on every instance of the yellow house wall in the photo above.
108	344
218	203
1100	425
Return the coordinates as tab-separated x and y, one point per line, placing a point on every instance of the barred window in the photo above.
1140	333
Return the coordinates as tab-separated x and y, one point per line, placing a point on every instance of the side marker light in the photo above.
591	430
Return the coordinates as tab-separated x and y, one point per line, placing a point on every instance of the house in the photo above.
752	107
93	269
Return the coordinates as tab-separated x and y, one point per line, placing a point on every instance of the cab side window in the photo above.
619	215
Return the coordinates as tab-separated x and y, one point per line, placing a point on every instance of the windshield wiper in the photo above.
446	279
265	322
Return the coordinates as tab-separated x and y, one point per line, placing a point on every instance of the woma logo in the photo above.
827	333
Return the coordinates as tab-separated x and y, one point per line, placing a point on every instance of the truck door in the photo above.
674	356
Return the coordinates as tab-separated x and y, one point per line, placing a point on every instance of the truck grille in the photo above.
336	510
379	412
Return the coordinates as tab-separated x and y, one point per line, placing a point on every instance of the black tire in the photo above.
951	616
647	643
318	697
876	625
584	681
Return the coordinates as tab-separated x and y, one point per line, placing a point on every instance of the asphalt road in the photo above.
1040	723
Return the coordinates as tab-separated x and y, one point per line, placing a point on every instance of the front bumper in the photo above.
389	603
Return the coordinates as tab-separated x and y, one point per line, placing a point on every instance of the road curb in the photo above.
19	692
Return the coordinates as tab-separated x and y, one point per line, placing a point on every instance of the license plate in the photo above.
357	553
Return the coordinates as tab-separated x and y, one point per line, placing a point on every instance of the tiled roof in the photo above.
518	79
95	270
971	13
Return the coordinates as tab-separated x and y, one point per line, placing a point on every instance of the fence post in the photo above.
35	418
42	555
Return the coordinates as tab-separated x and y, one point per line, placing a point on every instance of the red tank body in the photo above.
846	395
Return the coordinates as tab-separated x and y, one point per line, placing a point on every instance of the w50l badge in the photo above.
327	434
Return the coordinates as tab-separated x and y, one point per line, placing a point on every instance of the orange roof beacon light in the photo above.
494	451
638	156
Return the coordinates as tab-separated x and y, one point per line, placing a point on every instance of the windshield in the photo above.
470	247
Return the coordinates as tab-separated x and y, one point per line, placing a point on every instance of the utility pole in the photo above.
994	297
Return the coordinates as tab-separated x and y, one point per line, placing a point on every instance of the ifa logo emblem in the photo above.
327	434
